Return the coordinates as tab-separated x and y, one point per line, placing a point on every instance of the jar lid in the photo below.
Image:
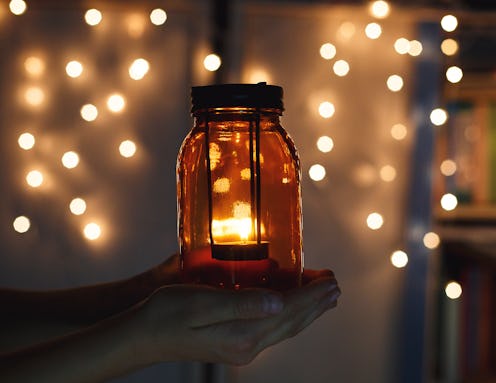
258	95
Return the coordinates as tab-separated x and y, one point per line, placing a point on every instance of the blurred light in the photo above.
373	31
399	259
21	224
34	66
17	7
212	62
346	30
398	131
26	141
394	83
127	148
70	160
415	48
402	46
454	74
93	17
259	75
222	185
438	116
77	206
453	290
116	103
135	25
449	47
431	240
387	173
326	109
74	69
448	168
328	51
364	174
379	9
449	23
34	178
89	112
138	69
158	16
325	144
375	221
341	68
317	172
92	231
34	96
449	202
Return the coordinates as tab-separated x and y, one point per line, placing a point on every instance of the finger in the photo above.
310	275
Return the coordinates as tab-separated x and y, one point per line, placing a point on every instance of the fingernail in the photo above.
272	304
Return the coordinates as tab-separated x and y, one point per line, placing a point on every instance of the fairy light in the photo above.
415	48
77	206
326	109
138	69
449	23
453	290
449	202
26	141
92	231
17	7
454	74
375	221
158	16
34	96
93	17
116	103
387	173
21	224
379	9
34	178
448	167
89	112
34	66
399	132
70	160
373	31
74	69
341	68
327	51
212	62
438	116
317	172
325	144
431	240
127	148
402	46
394	83
449	47
399	259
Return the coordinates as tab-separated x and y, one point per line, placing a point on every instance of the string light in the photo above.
325	144
326	109
327	51
399	259
158	16
399	132
449	47
453	290
448	167
34	96
431	240
341	68
34	66
438	116
449	202
402	46
21	224
74	69
212	62
26	141
379	9
34	178
92	231
89	112
116	103
449	23
17	7
387	173
77	206
70	160
138	69
394	83
375	221
373	31
415	48
127	148
317	172
454	74
93	17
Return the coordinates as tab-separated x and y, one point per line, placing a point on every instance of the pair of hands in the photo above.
201	323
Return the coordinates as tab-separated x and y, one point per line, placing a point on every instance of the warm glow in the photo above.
222	185
74	69
77	206
346	30
240	228
89	112
373	31
453	290
116	103
34	178
92	231
21	224
449	47
26	141
325	144
93	17
399	259
438	116
34	96
326	109
449	23
448	168
341	68
402	46
259	75
328	51
136	24
158	16
127	148
394	83
375	221
454	74
415	48
379	9
398	131
138	69
212	62
70	160
245	174
17	7
387	173
317	172
449	202
431	240
34	66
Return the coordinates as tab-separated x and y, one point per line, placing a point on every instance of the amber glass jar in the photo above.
238	190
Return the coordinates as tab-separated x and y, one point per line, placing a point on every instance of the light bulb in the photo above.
317	172
138	69
379	9
89	112
449	23
375	221
212	62
394	83
21	224
453	290
399	259
74	69
116	103
328	51
449	202
438	116
454	74
326	109
93	17
158	16
92	231
77	206
26	141
373	31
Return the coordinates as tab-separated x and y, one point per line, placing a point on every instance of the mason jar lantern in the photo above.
238	190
